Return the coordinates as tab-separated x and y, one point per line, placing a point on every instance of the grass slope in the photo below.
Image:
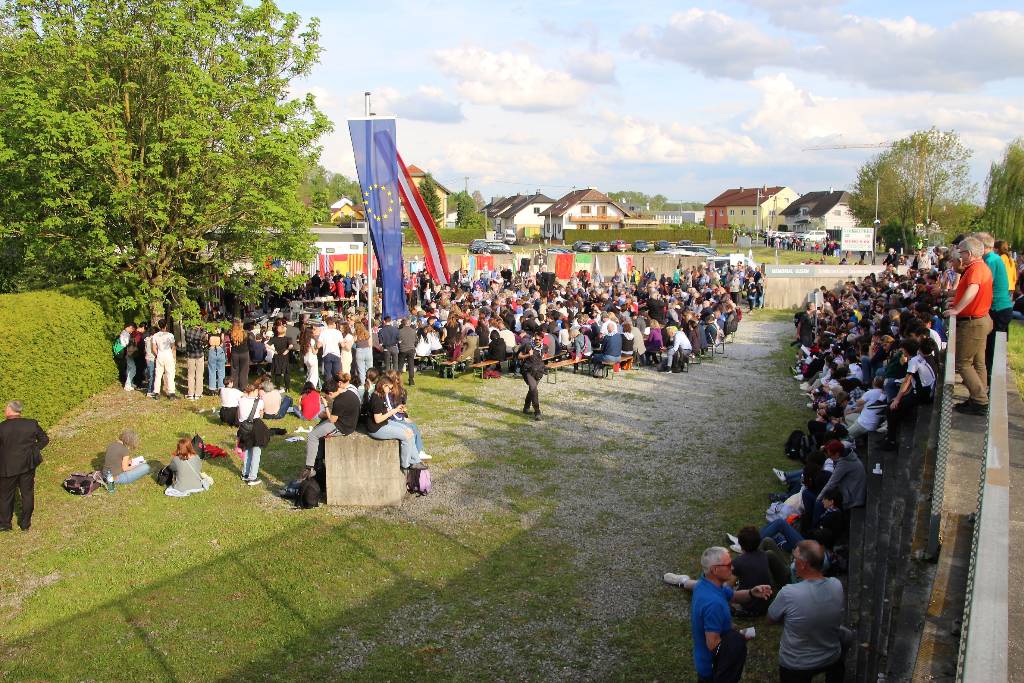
235	585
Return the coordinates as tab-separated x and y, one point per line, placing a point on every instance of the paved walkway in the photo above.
941	633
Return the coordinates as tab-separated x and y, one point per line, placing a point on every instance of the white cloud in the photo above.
511	80
592	67
423	104
901	54
712	43
637	140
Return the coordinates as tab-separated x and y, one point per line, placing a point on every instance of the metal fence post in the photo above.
942	449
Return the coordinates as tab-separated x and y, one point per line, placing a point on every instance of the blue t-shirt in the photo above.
1000	282
709	612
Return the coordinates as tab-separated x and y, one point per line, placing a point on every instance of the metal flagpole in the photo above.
371	281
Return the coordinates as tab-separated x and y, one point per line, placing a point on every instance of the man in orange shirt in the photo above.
971	306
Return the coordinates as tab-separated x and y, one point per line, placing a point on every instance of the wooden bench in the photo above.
451	368
606	366
627	361
552	368
483	365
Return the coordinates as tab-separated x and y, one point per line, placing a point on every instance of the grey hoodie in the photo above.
850	479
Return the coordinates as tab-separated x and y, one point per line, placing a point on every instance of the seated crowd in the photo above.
867	355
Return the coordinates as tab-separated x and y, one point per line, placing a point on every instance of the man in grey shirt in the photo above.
811	613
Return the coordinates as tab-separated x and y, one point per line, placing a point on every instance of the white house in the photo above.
585	209
825	210
520	216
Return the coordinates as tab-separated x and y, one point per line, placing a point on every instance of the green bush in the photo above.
448	235
672	234
54	352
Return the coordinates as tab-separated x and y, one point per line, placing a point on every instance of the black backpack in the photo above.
795	445
680	361
82	484
309	494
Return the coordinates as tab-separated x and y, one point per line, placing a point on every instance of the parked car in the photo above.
478	247
662	245
498	248
641	246
582	245
602	246
620	245
701	249
510	238
684	243
559	250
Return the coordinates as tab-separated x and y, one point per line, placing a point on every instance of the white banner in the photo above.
857	239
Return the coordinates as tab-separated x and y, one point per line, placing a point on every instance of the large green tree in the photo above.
922	179
467	214
1004	204
320	188
151	149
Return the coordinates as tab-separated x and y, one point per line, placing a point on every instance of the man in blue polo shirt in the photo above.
1001	311
719	652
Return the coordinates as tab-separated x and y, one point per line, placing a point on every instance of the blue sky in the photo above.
680	99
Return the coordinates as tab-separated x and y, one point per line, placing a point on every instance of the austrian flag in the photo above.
423	223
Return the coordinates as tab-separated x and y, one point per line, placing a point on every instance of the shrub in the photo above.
448	235
54	352
672	234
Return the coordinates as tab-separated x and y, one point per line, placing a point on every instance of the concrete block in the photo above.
363	471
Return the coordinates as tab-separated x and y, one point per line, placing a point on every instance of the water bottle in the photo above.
109	477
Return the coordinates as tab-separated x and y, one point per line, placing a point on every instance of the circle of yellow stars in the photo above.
389	201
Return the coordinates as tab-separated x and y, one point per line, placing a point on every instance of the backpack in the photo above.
118	346
797	445
680	361
731	324
198	445
82	484
418	481
308	494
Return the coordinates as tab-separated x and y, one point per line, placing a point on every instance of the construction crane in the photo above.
864	145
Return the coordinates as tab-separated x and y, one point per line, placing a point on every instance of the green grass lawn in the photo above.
234	584
1015	348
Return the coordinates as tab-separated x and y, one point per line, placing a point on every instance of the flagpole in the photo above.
371	282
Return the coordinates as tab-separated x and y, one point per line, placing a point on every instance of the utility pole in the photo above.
465	187
371	280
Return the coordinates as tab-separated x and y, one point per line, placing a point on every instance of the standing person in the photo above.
239	354
971	305
196	341
21	440
150	358
364	353
407	350
811	614
1001	311
250	406
388	339
122	357
329	345
216	362
281	366
307	347
166	354
531	364
719	652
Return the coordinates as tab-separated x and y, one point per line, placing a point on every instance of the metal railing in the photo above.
942	449
984	640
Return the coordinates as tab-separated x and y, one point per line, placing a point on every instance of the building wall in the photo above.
833	220
716	216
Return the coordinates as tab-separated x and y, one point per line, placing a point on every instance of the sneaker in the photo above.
424	456
804	386
675	579
811	404
252	482
536	417
129	388
780	474
971	408
799	378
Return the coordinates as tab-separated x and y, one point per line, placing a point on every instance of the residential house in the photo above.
825	210
345	211
520	216
417	174
749	207
585	209
491	209
669	217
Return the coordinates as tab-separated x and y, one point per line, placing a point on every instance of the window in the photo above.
604	226
804	211
536	210
753	212
602	211
584	209
743	212
732	212
721	212
329	250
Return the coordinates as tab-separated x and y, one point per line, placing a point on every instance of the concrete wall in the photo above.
363	471
788	286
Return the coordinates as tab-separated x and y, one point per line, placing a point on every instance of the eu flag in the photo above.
373	144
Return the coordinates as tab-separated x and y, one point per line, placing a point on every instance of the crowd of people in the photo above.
867	355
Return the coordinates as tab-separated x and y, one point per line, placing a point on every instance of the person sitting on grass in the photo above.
188	471
719	652
831	527
275	402
118	459
311	404
760	562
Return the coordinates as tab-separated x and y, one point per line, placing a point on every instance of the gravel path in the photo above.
628	469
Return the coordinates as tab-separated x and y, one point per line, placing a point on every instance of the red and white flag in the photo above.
423	223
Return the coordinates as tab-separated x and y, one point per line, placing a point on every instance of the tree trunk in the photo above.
156	312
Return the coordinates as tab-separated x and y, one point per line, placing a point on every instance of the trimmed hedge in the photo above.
54	353
448	235
696	235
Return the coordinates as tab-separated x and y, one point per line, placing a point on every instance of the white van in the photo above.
814	236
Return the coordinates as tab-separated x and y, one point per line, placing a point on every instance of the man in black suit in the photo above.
21	441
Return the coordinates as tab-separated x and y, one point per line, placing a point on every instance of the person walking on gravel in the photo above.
531	363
